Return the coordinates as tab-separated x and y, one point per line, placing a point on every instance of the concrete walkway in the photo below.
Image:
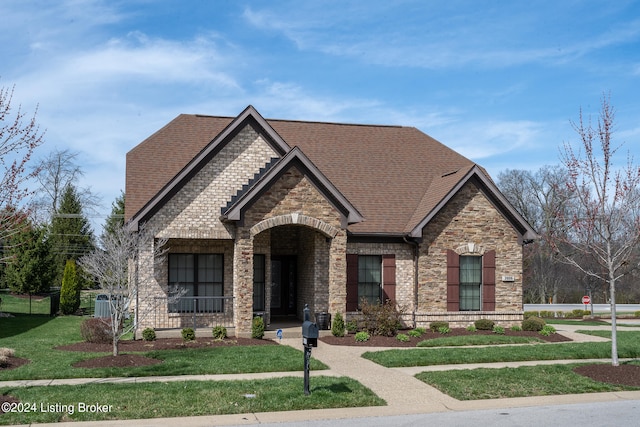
403	393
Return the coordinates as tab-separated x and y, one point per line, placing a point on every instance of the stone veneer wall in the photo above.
469	223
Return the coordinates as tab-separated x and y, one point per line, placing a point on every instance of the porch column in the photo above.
338	273
243	282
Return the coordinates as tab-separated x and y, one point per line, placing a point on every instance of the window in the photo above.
470	283
369	278
258	282
199	276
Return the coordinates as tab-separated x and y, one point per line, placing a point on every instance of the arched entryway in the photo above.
291	266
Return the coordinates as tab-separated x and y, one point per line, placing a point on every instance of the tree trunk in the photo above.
614	334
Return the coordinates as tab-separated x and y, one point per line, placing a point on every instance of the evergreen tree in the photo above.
70	291
29	270
70	231
116	218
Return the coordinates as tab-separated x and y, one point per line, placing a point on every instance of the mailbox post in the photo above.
309	340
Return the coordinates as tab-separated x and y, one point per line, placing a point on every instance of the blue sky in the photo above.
498	81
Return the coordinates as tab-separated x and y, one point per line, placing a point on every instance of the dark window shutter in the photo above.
352	282
453	281
489	281
389	277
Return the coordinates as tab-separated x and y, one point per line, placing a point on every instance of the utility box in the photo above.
103	306
310	334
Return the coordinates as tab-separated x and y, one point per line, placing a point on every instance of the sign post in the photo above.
586	300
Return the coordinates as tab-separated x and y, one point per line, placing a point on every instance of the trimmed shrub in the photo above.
352	326
528	314
70	290
188	334
257	328
471	328
435	326
533	324
403	337
219	332
546	314
498	330
362	336
96	330
149	334
381	319
337	327
636	314
547	330
484	324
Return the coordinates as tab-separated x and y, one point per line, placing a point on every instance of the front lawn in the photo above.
185	399
35	338
524	381
628	347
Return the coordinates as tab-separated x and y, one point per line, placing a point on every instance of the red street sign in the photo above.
586	299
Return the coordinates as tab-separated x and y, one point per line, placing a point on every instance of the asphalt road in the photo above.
621	413
597	308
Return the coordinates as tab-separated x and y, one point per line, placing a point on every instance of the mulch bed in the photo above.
378	341
628	375
14	362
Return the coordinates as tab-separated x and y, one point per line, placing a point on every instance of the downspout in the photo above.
416	252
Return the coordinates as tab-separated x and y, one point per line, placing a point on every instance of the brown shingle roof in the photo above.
384	171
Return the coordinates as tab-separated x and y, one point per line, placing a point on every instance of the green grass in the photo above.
577	322
35	338
189	398
20	305
486	383
628	347
494	339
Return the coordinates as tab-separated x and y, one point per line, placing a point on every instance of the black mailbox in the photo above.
309	334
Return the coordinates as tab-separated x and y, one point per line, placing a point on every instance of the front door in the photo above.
283	285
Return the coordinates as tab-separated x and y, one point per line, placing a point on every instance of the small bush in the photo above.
435	326
219	332
414	333
337	327
444	330
352	326
498	330
546	314
149	334
381	319
96	330
188	334
636	314
516	328
471	328
547	330
421	330
403	337
362	336
533	324
484	324
528	314
257	328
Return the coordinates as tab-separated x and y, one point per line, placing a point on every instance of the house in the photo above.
265	216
